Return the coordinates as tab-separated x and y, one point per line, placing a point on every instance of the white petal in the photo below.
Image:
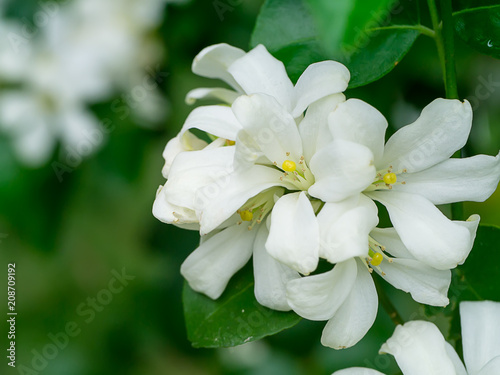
491	368
186	142
195	170
389	238
209	268
270	275
314	128
319	80
270	126
357	371
214	61
455	180
220	200
419	349
480	333
359	122
211	93
455	359
341	169
427	234
294	234
442	128
356	315
344	228
259	72
318	297
425	284
169	213
218	120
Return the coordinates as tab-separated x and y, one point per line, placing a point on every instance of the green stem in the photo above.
449	50
387	304
445	42
421	28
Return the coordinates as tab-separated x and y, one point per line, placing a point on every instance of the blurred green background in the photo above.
69	238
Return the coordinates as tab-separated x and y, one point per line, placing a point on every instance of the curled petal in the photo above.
359	122
319	80
318	297
294	233
425	284
455	180
270	275
314	129
344	228
442	128
185	142
259	72
217	120
217	93
427	234
341	169
214	61
355	316
169	213
270	127
209	268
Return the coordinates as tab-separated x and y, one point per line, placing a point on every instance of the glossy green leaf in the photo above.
477	278
233	319
480	29
302	32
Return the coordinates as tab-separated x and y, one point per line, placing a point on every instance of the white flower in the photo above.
410	174
420	348
346	295
267	151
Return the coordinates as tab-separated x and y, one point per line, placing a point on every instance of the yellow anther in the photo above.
246	215
390	178
230	143
289	166
376	259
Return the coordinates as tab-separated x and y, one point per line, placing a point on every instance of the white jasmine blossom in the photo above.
420	348
410	174
236	181
346	295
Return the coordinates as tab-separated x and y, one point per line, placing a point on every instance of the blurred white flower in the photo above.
86	52
420	348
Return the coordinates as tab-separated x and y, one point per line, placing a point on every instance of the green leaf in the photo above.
300	32
480	29
233	319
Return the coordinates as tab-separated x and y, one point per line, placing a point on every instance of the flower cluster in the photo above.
73	55
291	173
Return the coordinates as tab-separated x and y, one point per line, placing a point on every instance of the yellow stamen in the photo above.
390	178
246	215
377	259
289	166
230	143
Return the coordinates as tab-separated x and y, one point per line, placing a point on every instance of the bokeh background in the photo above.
76	210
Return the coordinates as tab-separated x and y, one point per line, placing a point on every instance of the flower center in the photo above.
376	256
298	174
255	210
386	179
